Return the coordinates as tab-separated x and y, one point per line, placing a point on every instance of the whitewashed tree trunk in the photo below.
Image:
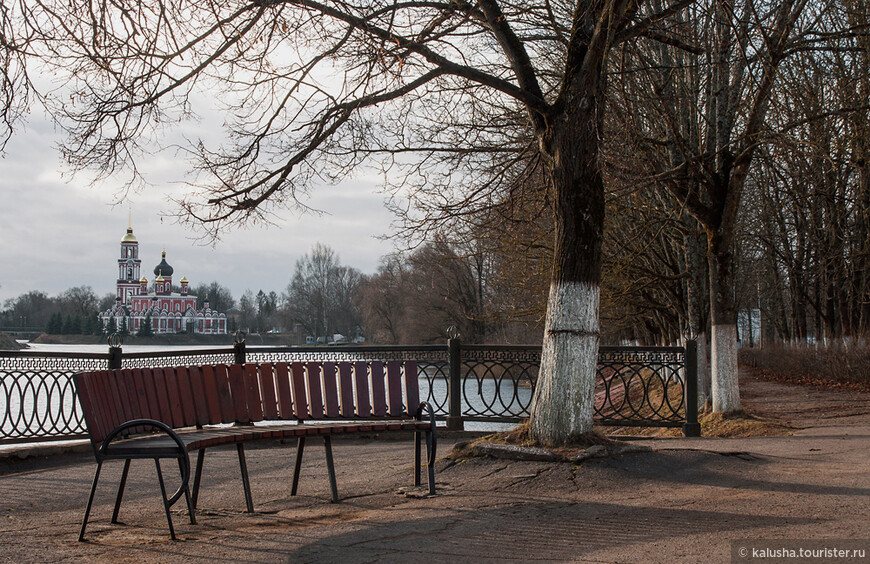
568	358
704	378
726	396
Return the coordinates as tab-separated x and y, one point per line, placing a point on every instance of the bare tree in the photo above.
220	298
317	88
80	300
321	294
701	134
383	303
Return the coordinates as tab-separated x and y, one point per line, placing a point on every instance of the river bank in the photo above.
7	343
179	339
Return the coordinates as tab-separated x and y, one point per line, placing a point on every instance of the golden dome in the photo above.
129	237
184	280
159	278
143	280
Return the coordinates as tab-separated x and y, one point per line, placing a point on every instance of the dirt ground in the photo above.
688	500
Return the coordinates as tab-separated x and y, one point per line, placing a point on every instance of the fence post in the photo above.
691	428
115	351
454	386
239	346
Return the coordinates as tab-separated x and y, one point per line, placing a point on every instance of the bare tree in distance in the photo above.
80	300
220	298
320	295
452	96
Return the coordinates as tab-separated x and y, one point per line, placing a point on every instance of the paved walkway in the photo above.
684	502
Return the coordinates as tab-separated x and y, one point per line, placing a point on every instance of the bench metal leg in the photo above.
197	477
430	459
245	482
90	501
187	494
165	500
121	487
417	458
327	443
300	448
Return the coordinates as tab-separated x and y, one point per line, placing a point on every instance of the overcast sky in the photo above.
58	232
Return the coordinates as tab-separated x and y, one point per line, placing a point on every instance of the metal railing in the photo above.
635	386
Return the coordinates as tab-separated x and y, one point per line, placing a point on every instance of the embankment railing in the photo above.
635	386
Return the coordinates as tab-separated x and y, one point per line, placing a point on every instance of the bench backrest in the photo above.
209	395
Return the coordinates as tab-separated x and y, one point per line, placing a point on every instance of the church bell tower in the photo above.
128	267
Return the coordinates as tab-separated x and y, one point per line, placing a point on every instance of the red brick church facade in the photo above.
168	311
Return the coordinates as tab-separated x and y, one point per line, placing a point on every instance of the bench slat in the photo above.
330	390
101	393
225	398
197	389
170	377
379	402
141	393
114	397
185	391
122	398
238	394
412	387
363	405
87	399
129	386
394	387
267	387
111	399
212	395
345	375
163	406
252	393
315	393
285	398
300	396
128	394
151	403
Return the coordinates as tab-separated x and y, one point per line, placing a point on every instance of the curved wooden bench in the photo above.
165	413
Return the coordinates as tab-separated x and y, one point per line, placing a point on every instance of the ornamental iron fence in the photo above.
635	386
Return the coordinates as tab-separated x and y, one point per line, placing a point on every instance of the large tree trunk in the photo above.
725	390
564	396
696	294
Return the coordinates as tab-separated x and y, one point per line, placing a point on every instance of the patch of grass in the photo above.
740	424
730	425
